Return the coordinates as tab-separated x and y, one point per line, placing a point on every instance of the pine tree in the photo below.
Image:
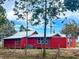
6	29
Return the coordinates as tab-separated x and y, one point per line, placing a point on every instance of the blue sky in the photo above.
40	28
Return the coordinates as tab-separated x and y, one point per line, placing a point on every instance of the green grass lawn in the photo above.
40	57
35	54
51	54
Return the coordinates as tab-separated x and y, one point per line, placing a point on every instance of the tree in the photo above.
2	1
52	8
2	15
72	5
42	10
6	29
71	28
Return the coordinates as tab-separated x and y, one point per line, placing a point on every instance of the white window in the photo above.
42	41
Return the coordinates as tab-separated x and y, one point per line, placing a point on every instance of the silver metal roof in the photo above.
20	35
48	35
23	34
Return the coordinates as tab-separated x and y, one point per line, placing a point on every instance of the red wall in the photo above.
58	42
23	42
53	42
34	42
9	43
73	42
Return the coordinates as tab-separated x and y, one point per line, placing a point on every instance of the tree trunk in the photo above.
26	34
45	23
50	26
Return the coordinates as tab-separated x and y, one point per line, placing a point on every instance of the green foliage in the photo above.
40	9
2	1
2	20
6	29
71	5
71	29
36	7
2	11
2	15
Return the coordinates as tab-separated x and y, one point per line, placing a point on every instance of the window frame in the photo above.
41	41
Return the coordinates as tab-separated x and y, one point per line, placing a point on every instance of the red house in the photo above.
19	40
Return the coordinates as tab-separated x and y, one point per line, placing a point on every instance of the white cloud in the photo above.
11	16
30	15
